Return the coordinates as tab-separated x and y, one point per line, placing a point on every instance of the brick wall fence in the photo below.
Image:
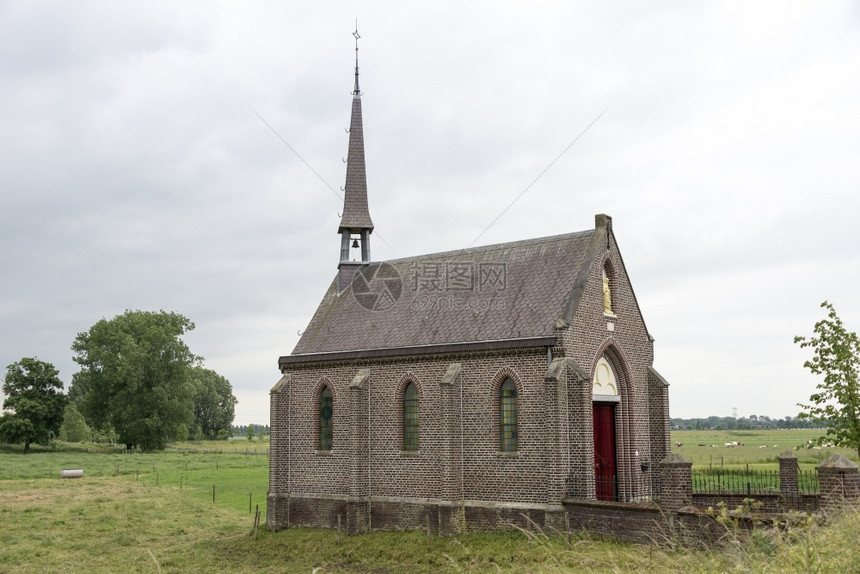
681	514
677	514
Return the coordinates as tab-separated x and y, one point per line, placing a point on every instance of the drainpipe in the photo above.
462	464
369	480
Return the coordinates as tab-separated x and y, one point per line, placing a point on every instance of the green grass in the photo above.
117	524
238	478
761	450
104	523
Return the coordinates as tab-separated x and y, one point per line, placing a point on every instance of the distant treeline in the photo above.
742	423
242	430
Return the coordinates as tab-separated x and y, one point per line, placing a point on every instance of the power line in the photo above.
558	157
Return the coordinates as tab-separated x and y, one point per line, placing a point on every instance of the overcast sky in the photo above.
135	172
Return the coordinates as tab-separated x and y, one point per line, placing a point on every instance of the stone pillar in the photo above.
838	480
278	497
580	474
789	477
451	512
676	483
554	379
658	424
358	502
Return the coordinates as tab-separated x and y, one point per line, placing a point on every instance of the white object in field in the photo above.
71	473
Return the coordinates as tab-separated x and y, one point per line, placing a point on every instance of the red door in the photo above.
604	451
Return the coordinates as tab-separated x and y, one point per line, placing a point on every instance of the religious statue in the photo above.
607	295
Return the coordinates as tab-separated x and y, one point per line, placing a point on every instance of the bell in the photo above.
355	243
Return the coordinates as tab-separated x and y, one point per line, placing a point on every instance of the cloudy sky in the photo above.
136	171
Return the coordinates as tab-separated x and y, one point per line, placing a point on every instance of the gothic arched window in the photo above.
508	416
325	414
410	417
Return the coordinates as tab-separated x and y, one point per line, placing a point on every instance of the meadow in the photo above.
760	451
156	514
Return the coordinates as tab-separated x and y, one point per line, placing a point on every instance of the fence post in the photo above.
789	478
838	480
676	487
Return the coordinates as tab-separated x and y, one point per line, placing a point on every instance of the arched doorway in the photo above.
605	399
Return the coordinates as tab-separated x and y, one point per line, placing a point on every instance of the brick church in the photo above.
465	389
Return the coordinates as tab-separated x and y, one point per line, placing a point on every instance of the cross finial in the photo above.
356	92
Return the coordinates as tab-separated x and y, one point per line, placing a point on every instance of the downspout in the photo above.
289	448
462	465
369	481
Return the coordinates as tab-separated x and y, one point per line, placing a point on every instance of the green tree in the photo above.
74	427
137	373
214	404
79	387
250	432
836	357
35	401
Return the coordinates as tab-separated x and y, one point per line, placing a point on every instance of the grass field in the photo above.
239	479
760	450
142	521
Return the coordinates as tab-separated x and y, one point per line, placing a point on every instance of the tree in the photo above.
35	402
250	432
214	404
74	427
79	387
137	373
836	404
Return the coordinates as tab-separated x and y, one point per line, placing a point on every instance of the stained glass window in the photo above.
325	419
508	416
410	417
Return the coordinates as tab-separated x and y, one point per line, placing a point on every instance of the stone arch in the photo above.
323	382
405	379
505	373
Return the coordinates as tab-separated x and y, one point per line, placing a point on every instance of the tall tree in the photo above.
836	357
74	427
137	372
79	387
214	404
35	403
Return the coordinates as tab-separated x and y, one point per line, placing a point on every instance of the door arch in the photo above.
605	396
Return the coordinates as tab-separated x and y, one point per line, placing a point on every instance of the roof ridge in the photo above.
496	246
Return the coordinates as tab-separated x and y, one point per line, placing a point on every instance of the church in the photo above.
469	389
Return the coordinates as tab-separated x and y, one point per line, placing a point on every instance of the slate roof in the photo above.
498	292
356	214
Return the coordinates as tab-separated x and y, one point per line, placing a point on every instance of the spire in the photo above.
356	215
356	93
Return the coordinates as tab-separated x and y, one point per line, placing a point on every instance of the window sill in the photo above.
410	453
610	315
322	452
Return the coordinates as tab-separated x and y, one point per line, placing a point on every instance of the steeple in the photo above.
355	224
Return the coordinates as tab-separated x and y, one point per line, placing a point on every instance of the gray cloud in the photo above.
135	173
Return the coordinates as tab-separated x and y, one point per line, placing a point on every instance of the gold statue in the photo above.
607	295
